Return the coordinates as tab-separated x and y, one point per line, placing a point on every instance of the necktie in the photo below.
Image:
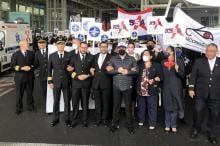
83	57
25	54
44	53
61	56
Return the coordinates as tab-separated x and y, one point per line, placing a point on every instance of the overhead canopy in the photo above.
212	3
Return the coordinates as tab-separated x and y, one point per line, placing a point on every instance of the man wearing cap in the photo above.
41	61
23	64
58	80
123	68
81	83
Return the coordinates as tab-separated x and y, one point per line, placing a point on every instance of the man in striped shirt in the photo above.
123	68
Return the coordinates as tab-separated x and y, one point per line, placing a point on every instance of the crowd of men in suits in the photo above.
112	77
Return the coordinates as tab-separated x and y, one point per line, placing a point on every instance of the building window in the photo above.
22	8
5	6
36	11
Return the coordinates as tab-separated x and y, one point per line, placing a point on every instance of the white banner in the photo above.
137	20
85	24
75	27
174	34
94	31
156	24
197	35
120	28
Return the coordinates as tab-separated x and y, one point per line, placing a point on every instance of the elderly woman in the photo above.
173	73
150	74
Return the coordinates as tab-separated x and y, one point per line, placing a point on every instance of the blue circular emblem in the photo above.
94	31
134	34
104	37
81	37
75	27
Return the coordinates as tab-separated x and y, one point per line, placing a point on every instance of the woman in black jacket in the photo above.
150	74
173	73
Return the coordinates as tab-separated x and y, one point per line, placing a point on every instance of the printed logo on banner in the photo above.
75	28
104	37
156	24
134	34
203	33
174	34
94	31
81	37
85	24
120	28
175	31
138	22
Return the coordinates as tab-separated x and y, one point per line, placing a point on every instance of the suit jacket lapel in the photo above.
217	63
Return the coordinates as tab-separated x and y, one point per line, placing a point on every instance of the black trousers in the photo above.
43	84
213	111
56	104
117	98
102	97
77	94
22	86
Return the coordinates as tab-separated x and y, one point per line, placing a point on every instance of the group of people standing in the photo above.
120	75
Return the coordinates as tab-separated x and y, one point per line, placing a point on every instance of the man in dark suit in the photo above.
23	64
101	84
58	80
81	82
41	61
205	86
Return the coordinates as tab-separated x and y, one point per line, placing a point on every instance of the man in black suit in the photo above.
81	82
41	61
101	84
205	86
58	80
23	64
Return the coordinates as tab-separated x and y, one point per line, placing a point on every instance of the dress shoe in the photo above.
32	109
18	112
212	140
85	124
105	123
183	121
97	123
73	125
194	133
54	123
131	130
68	123
114	128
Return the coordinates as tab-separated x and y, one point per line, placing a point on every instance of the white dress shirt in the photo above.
101	59
212	63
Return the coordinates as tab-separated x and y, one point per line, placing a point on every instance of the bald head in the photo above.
23	45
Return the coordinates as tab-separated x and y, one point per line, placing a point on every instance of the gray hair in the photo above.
212	45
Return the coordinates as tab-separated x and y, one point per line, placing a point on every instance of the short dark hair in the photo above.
151	40
103	42
213	45
83	43
131	43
